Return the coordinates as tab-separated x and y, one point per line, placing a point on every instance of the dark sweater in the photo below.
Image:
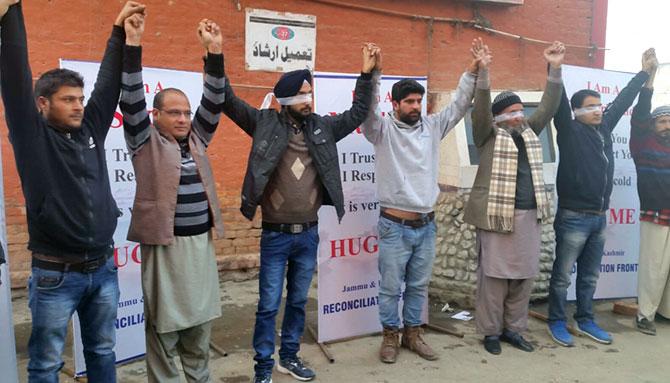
651	156
524	198
69	204
586	165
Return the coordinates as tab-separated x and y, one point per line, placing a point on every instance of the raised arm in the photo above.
243	115
209	112
563	116
372	126
136	123
641	121
625	99
346	122
16	79
4	6
454	112
482	117
101	106
551	98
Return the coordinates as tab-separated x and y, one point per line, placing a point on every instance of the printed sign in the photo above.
279	41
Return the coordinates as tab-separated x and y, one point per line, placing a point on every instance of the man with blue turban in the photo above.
293	170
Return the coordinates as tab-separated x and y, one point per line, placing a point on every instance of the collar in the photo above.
403	125
290	123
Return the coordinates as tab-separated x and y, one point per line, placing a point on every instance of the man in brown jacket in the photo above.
508	202
175	208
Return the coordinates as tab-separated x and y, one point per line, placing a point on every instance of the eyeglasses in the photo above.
177	113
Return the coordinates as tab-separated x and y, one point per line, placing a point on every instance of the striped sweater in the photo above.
652	160
192	212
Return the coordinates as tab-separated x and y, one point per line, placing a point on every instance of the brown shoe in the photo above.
388	353
412	339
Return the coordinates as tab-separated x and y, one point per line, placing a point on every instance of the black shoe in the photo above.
516	340
296	368
492	344
645	326
263	378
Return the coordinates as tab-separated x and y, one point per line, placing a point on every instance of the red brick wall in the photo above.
78	29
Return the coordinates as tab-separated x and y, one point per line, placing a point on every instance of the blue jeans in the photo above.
406	254
278	250
580	237
53	297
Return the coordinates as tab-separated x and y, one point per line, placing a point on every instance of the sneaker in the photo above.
645	326
263	379
559	333
296	368
591	329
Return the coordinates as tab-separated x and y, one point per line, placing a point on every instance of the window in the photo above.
546	137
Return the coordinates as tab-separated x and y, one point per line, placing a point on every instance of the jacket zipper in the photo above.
607	162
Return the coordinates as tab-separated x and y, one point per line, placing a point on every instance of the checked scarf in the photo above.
502	189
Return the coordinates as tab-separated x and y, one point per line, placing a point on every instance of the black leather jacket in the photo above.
269	131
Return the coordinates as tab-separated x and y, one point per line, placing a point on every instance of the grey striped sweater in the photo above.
192	214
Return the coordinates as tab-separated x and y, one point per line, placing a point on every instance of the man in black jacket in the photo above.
293	169
584	186
60	157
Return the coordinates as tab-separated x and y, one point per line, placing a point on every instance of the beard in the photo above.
301	114
410	118
514	131
664	137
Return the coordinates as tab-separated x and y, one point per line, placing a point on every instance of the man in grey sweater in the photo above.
407	154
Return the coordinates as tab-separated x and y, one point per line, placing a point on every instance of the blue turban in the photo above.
290	83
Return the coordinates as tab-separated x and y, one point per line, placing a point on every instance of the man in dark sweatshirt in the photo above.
584	185
60	157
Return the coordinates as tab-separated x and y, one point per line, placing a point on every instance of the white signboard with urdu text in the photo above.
279	41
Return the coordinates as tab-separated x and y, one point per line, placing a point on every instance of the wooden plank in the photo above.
625	308
444	330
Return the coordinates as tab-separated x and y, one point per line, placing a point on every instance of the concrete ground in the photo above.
633	357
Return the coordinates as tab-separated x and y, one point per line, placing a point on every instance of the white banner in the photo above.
7	341
618	270
348	272
279	41
130	318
